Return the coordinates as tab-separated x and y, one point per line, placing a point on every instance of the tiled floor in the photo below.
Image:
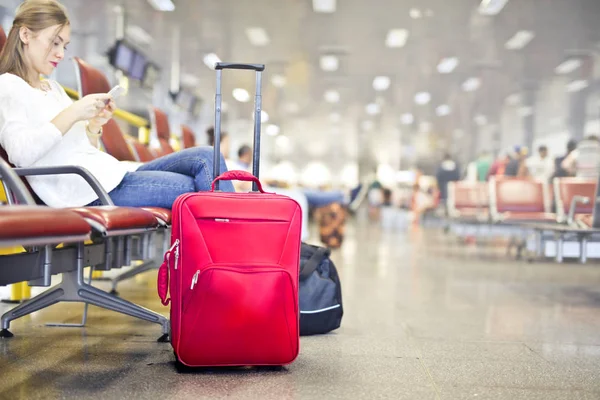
425	318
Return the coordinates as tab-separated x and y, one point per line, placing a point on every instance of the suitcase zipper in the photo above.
173	246
176	253
195	279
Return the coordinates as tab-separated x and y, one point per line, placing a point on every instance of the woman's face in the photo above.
45	49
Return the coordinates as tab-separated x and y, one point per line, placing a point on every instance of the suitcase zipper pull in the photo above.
195	279
176	244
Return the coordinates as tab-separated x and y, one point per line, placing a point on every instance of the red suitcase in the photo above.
232	270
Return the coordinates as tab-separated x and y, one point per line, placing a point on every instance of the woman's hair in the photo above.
210	132
36	15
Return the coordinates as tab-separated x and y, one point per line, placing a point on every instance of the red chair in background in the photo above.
189	139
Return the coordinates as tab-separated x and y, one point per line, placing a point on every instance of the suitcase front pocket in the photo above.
240	316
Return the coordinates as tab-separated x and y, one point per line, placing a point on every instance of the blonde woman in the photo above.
41	126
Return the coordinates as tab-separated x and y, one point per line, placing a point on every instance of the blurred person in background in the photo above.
447	172
516	166
584	161
540	166
483	165
498	167
559	171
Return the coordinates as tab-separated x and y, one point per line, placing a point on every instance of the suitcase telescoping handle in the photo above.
259	68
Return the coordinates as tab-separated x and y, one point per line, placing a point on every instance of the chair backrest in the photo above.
567	188
143	152
2	38
465	195
4	157
189	139
91	80
518	195
160	122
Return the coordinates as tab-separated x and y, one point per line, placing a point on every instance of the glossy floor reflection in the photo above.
426	318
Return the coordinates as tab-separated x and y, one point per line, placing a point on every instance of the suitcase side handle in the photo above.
252	67
237	175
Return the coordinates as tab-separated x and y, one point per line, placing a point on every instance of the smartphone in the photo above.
115	93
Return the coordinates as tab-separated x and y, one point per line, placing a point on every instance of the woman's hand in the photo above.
102	118
90	106
87	108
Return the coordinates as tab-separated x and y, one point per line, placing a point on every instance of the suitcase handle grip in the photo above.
252	67
238	175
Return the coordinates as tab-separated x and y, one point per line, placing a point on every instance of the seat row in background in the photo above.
547	220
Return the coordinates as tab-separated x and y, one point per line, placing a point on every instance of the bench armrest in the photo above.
69	169
574	202
12	181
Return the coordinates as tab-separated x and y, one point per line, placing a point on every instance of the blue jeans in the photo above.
159	182
320	198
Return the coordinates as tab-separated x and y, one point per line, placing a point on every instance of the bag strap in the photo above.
313	262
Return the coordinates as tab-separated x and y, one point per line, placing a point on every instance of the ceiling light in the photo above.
577	85
332	96
568	66
257	36
373	109
211	59
407	119
381	83
422	98
162	5
278	81
471	84
335	118
139	35
292	108
519	40
447	65
480	119
241	95
367	125
443	110
514	99
329	63
525	111
264	116
491	7
415	13
282	141
272	130
396	38
324	6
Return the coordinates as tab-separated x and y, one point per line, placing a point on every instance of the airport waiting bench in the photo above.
111	230
519	208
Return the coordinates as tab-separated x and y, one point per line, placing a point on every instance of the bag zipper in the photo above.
176	253
195	279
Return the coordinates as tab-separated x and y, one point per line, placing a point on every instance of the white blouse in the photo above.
31	140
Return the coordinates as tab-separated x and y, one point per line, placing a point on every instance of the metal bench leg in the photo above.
139	269
583	250
85	312
42	300
73	288
559	248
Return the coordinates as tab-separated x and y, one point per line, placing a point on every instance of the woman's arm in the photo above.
25	142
